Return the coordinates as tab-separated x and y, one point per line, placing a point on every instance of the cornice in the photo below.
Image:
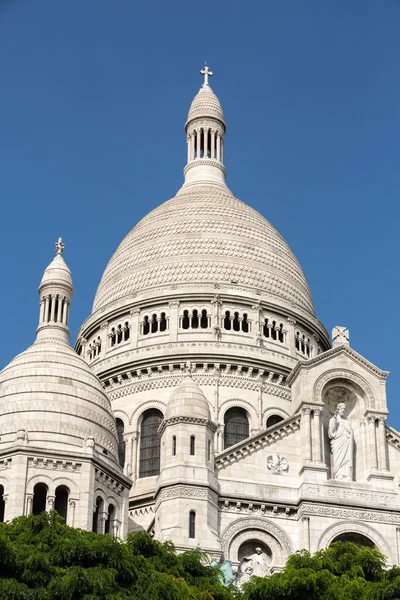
190	420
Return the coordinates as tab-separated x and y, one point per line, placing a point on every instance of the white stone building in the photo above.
220	419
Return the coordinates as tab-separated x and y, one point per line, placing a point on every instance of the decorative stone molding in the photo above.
248	526
5	463
193	420
186	491
277	464
350	514
53	464
109	482
357	527
257	508
344	374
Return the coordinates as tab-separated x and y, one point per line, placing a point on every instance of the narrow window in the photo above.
195	319
297	341
204	319
192	524
245	324
209	143
98	345
109	524
236	426
149	455
121	441
163	322
273	330
119	334
61	501
96	514
236	322
113	337
174	445
39	498
56	309
126	331
209	450
2	504
227	320
280	334
202	143
192	445
154	324
185	320
146	326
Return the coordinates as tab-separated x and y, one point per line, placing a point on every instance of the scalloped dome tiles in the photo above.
204	236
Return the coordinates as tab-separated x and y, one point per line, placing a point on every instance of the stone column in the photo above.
306	432
317	435
173	321
29	502
291	336
382	443
256	319
398	544
134	336
134	449
198	140
46	308
205	133
372	441
50	502
42	309
306	533
71	513
189	147
103	516
218	147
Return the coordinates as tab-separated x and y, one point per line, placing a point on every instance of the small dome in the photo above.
205	104
57	273
51	393
187	400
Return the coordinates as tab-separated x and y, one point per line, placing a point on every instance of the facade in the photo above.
226	417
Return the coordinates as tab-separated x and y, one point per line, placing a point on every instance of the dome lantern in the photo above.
55	292
205	129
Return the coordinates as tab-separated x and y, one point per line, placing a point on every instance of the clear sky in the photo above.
93	101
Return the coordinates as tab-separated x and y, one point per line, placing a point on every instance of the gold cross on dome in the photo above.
207	73
59	247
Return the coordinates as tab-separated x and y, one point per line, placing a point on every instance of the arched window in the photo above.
146	326
192	524
245	324
109	524
61	501
236	426
185	320
204	319
266	328
195	319
174	445
2	504
119	334
163	322
227	320
192	445
149	456
236	322
126	331
121	442
39	498
96	515
355	538
273	420
113	337
154	324
209	450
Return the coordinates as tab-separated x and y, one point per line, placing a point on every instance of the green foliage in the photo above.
341	572
43	559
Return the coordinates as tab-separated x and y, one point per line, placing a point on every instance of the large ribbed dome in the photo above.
204	236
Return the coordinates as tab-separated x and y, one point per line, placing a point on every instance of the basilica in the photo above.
203	402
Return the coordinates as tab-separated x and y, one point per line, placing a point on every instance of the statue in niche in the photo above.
342	444
257	564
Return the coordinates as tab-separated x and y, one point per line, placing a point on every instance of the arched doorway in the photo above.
61	501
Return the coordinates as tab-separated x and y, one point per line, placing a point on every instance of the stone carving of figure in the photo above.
342	444
256	564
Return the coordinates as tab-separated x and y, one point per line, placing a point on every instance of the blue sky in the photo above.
93	101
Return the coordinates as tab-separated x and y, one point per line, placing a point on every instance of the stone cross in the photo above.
60	247
207	73
340	336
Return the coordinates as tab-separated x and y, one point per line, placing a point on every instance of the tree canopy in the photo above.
43	559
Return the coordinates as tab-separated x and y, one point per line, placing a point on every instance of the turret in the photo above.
187	486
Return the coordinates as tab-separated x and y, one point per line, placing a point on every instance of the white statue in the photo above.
256	564
342	444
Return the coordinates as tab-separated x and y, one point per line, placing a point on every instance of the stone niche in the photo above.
336	392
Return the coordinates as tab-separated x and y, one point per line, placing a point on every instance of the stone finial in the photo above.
60	247
207	73
340	336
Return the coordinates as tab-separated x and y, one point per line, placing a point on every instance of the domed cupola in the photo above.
205	129
56	422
